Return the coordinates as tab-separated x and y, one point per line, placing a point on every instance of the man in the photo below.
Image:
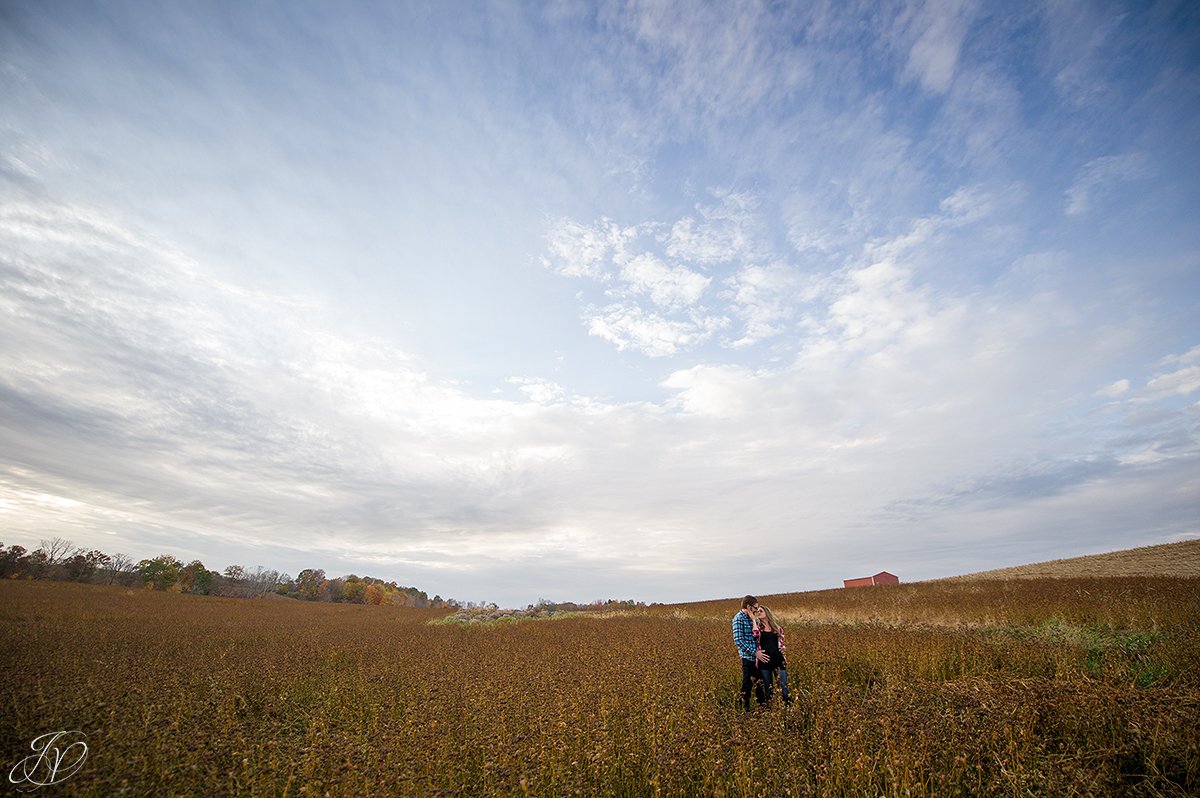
743	638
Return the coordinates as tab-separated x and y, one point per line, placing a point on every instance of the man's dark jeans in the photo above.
752	679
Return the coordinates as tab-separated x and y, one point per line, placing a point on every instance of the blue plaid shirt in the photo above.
743	636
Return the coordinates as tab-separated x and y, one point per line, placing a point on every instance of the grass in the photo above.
1044	687
1180	559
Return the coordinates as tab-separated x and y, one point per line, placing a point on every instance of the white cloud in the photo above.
965	206
1079	40
714	60
699	244
222	398
766	298
815	223
723	233
628	326
641	261
1097	176
876	304
874	299
716	391
578	250
669	287
1190	356
940	27
897	375
893	395
880	305
539	390
1181	382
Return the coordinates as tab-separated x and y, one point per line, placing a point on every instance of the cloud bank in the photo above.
645	300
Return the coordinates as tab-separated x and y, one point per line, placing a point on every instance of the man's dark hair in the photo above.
749	601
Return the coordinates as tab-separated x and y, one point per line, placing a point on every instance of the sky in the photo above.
654	301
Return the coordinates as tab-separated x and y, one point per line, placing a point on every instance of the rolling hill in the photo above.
1168	559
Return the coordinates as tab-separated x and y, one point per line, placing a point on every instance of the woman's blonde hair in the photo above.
770	617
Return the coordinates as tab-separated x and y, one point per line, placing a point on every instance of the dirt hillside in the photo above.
1168	559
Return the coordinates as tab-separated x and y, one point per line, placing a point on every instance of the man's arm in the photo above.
743	636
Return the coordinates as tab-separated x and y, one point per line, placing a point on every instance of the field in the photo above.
1007	688
1167	559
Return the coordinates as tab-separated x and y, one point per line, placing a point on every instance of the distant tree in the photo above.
161	573
286	585
12	560
195	578
58	551
331	590
117	565
59	558
309	583
236	581
353	590
262	580
96	560
81	567
35	565
373	595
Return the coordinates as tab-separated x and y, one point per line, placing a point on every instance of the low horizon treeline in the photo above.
61	560
544	608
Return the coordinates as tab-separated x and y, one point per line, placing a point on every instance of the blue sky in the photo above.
648	300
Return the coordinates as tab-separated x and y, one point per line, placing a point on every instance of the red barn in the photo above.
881	578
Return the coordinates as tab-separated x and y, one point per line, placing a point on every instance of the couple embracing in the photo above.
759	641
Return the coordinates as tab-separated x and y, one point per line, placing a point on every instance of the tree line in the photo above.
60	559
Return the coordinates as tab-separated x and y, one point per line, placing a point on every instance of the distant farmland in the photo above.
1077	686
1169	559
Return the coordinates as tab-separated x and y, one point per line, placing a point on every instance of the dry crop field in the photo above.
1043	687
1167	559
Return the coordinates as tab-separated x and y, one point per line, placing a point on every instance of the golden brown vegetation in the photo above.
1169	559
1122	603
1085	687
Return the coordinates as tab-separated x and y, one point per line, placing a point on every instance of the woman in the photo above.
769	636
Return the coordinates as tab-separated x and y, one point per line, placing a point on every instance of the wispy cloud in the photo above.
1101	175
939	28
628	326
827	277
1077	36
721	232
224	398
767	299
220	400
710	73
669	287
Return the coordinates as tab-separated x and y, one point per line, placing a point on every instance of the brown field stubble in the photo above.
1049	689
1179	559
